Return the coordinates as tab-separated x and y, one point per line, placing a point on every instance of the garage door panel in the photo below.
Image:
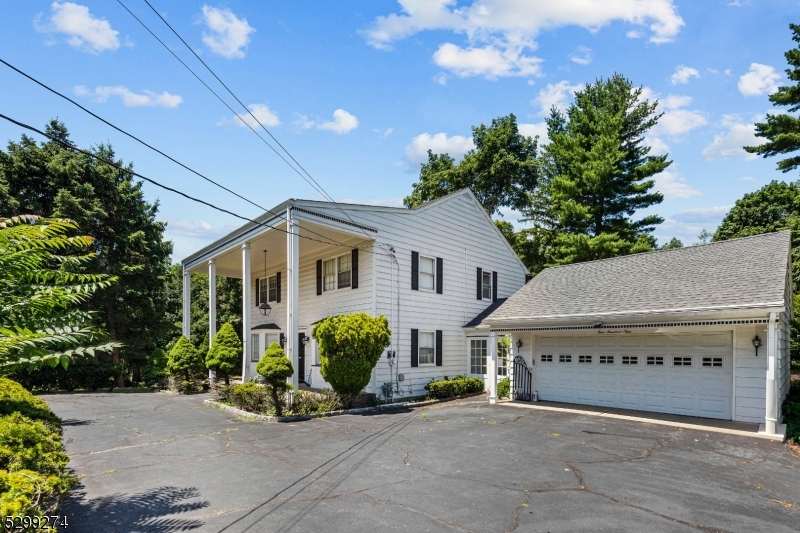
669	387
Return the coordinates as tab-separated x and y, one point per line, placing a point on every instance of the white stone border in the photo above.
385	407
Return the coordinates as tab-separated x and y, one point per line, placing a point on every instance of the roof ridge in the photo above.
683	248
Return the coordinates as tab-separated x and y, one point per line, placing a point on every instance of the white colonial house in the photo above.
701	331
429	270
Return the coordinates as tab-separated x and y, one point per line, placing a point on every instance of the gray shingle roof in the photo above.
738	273
475	322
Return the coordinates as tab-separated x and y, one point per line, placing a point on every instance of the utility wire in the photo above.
104	121
70	146
312	181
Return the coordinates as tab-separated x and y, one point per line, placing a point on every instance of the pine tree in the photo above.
783	130
52	180
596	174
500	171
184	361
276	369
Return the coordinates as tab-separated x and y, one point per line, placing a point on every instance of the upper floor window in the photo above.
427	273
272	288
337	273
486	285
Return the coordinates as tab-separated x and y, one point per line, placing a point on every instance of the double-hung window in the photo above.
336	273
486	285
272	288
427	273
262	290
477	356
426	347
255	351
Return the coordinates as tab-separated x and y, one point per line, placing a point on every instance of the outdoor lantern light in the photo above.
756	343
264	308
305	340
519	343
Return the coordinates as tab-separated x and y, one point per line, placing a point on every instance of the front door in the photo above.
301	357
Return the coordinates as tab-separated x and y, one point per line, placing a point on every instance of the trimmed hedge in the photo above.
248	396
33	475
791	413
447	388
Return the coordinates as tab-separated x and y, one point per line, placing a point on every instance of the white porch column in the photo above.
246	278
292	296
212	310
491	367
771	422
187	304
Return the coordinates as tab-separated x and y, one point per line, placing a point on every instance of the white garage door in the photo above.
687	374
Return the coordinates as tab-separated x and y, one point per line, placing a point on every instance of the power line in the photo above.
70	146
313	182
104	121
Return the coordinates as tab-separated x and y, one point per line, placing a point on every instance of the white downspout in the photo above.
771	420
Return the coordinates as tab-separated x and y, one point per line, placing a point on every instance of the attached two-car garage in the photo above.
684	373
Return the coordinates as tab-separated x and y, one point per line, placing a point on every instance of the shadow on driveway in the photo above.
149	511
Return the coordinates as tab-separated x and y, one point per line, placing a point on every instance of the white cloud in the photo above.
500	32
532	130
488	61
262	114
747	178
455	146
388	132
673	186
676	120
84	31
683	74
555	94
583	56
633	34
760	79
227	35
730	143
130	98
303	122
342	122
687	225
657	146
440	78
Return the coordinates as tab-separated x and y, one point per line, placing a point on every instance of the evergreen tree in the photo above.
501	170
184	361
225	352
783	130
52	180
597	173
276	369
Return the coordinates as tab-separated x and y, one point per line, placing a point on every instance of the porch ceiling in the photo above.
229	262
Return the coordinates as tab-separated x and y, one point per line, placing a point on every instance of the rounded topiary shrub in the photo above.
350	347
225	351
276	369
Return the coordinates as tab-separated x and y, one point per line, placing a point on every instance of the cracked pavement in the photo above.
160	463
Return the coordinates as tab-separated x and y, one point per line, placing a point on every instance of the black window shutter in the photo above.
258	292
414	347
319	277
354	270
480	283
283	340
278	275
414	271
494	286
439	275
438	347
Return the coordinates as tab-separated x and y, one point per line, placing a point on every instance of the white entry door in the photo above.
687	373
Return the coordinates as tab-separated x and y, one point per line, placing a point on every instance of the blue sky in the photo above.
358	91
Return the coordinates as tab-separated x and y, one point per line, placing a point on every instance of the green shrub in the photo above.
250	397
276	369
155	371
226	350
504	388
350	347
15	399
28	493
306	402
184	362
448	388
791	413
27	444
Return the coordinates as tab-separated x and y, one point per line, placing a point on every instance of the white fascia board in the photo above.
715	313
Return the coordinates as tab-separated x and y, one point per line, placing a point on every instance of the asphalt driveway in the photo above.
159	463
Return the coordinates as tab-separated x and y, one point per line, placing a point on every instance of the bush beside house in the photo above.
350	347
33	475
447	388
185	363
226	350
276	369
791	413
